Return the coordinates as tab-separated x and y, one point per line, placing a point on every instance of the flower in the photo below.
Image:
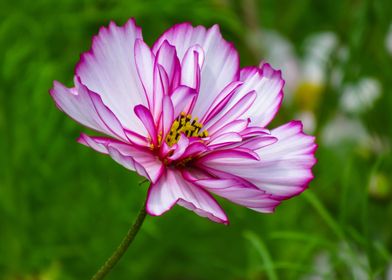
185	116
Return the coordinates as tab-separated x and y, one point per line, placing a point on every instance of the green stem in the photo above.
122	248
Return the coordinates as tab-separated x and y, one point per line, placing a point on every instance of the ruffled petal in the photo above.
220	101
183	98
231	113
172	188
87	108
109	69
268	84
221	62
224	139
147	120
234	191
190	68
166	56
285	167
167	116
133	158
144	60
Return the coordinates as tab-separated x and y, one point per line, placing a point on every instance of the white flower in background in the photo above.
343	129
389	272
318	51
359	97
355	260
322	266
388	41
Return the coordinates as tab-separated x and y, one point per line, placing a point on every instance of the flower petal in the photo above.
87	108
221	63
167	115
131	157
232	190
190	68
148	121
231	113
109	69
221	101
285	168
182	145
172	188
144	60
166	56
224	139
268	84
183	98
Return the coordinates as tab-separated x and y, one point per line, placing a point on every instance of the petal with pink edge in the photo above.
172	188
190	68
131	157
167	57
232	190
87	108
231	113
109	69
183	98
285	167
147	120
268	84
221	62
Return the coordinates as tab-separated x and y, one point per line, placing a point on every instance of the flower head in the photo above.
185	116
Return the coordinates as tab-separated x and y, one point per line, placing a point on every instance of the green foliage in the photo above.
64	208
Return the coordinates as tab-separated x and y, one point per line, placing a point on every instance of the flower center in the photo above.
187	125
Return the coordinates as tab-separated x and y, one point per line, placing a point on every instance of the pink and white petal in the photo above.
237	126
147	120
255	143
221	63
224	140
167	116
285	168
183	98
190	68
136	139
109	69
144	60
182	145
195	149
268	84
98	144
131	157
160	90
172	188
258	142
232	113
255	131
234	191
166	56
87	108
230	156
221	101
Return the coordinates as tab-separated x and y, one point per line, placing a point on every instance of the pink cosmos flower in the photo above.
184	115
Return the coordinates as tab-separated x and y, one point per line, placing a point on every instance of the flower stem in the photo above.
122	248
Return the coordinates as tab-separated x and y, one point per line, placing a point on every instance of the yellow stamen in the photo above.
185	124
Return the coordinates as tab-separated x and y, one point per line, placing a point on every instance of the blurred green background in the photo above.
64	208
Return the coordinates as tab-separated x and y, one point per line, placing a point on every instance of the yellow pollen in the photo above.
185	124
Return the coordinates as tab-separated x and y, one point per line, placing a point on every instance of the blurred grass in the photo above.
64	208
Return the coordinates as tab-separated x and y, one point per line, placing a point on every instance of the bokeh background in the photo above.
64	208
